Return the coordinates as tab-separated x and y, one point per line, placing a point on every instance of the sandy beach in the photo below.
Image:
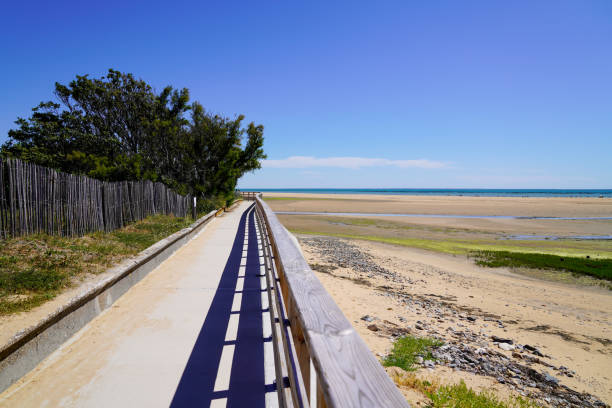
460	205
431	293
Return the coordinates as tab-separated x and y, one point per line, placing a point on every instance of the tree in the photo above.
117	128
218	158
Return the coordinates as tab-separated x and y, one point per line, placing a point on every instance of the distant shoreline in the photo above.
567	193
508	217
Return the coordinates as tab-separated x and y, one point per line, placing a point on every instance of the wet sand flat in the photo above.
489	233
460	236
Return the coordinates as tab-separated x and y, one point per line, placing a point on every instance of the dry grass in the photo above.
36	268
459	395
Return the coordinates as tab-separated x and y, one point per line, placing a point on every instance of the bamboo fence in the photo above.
35	199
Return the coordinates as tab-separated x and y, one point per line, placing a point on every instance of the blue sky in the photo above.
358	94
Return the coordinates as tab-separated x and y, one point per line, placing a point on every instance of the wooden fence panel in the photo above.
35	199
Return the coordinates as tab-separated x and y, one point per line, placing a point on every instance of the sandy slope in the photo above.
575	323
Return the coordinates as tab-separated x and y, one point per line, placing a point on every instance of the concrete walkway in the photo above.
194	333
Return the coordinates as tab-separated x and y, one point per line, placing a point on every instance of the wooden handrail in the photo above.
292	394
346	373
249	195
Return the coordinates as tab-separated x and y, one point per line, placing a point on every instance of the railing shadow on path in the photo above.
245	386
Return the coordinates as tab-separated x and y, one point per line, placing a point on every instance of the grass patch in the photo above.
599	268
455	395
461	396
36	268
407	349
433	245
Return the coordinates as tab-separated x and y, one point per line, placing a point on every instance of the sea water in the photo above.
473	192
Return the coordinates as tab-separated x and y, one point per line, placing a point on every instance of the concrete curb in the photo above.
29	347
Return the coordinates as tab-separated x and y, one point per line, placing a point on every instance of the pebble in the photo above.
549	378
501	340
533	350
346	255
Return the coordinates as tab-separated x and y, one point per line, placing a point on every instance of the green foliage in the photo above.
406	349
117	128
206	205
599	268
143	235
460	396
33	279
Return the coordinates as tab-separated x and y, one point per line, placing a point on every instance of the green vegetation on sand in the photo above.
599	268
407	349
466	247
493	254
460	396
404	354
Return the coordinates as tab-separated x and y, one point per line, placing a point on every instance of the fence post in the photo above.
104	217
194	207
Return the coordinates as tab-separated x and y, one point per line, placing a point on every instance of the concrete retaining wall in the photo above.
30	347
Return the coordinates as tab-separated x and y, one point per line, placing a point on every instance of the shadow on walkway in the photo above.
247	386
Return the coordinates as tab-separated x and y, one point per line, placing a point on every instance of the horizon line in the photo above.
430	188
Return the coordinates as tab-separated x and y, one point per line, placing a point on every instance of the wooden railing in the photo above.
316	347
249	195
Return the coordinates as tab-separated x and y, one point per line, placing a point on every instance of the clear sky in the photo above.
499	94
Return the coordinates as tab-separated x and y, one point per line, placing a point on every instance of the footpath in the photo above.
196	331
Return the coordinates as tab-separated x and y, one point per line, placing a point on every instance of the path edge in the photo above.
24	351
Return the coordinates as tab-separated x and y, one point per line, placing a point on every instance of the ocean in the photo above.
474	192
